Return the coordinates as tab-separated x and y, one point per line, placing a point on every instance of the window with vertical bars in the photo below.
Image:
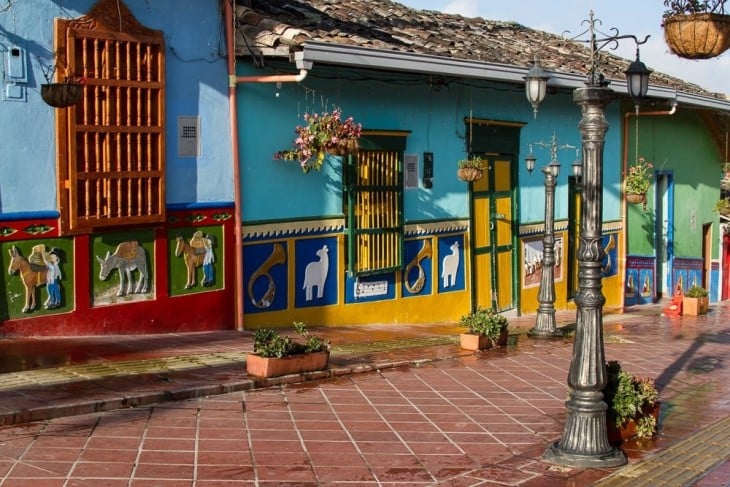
111	149
374	182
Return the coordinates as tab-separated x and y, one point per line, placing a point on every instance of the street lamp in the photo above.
585	441
545	326
536	85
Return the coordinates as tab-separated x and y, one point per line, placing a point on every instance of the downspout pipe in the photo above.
624	172
233	80
237	213
275	78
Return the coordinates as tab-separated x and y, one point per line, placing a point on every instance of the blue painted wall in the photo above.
268	115
196	85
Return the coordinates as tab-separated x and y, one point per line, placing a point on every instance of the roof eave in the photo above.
361	57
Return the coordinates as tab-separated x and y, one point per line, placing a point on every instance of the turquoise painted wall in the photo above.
695	165
268	115
196	85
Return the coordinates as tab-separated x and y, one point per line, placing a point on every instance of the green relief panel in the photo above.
122	267
40	277
195	259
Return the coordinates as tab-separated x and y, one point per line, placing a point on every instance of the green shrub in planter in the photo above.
696	292
485	322
630	399
270	343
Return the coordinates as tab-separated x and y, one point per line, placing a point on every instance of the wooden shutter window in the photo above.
375	205
111	143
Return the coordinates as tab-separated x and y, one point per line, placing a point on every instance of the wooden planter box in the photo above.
294	364
695	306
473	342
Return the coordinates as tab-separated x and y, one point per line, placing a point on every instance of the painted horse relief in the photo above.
197	253
127	257
42	268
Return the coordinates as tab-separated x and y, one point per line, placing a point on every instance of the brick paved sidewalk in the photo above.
406	422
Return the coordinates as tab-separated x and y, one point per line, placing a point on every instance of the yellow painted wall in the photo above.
444	307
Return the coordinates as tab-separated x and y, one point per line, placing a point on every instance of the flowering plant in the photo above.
323	133
476	162
639	177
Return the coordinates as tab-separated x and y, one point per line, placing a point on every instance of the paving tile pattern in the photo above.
444	418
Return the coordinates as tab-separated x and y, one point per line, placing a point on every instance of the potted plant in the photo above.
696	29
275	355
695	301
485	329
633	404
321	134
638	181
470	169
722	206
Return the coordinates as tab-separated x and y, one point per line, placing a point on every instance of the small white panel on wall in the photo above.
188	136
410	181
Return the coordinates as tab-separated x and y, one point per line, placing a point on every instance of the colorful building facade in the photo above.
116	214
159	201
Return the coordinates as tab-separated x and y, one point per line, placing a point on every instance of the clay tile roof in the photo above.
277	27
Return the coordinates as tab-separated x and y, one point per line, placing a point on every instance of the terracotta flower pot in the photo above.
617	435
294	364
470	341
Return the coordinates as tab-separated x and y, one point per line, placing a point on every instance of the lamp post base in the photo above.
545	326
612	458
537	333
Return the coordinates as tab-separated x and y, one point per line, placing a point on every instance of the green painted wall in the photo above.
681	145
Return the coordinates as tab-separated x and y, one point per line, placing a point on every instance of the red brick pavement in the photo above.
450	418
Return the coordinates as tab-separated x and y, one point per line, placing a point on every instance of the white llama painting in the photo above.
450	266
315	274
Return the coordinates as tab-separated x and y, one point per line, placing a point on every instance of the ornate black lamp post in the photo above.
545	326
585	440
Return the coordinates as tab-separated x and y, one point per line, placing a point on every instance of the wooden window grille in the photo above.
374	182
111	144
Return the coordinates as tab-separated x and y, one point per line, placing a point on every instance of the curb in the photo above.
111	403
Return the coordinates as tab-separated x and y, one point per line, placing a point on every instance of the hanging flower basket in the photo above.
61	95
469	174
345	146
323	133
636	198
697	36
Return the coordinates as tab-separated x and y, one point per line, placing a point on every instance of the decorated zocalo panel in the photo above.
296	271
118	282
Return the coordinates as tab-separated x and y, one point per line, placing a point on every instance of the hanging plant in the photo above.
322	134
470	170
64	94
638	181
695	29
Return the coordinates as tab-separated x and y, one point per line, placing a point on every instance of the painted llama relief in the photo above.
315	274
450	266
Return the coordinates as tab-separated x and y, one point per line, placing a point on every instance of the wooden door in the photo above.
492	226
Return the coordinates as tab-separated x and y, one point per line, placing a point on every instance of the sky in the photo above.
635	17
